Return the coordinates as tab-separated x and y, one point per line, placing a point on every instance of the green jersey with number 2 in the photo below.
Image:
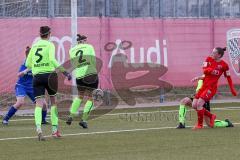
84	60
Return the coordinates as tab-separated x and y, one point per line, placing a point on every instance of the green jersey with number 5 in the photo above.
41	58
84	60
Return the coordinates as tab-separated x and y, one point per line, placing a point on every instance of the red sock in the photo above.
207	113
200	114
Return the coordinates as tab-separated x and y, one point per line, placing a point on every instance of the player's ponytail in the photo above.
81	38
27	50
221	50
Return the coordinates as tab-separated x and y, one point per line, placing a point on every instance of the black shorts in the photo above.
45	81
206	105
87	83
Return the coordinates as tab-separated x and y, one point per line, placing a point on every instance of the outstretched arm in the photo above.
230	82
56	64
21	74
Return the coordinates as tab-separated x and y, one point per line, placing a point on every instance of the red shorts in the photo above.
206	93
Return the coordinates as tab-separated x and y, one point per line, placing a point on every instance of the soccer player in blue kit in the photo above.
23	88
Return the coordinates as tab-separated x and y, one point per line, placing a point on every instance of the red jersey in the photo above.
213	71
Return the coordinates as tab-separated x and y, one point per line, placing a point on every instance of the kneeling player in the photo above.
23	88
187	101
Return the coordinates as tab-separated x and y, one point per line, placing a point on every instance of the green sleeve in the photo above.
28	63
199	85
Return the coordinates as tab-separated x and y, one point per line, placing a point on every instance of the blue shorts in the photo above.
22	91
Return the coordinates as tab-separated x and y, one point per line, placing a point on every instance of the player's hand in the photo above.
66	74
195	79
69	77
21	74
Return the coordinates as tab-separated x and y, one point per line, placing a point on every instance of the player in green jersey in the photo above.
187	101
41	60
84	61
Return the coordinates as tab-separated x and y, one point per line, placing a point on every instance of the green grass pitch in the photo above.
140	134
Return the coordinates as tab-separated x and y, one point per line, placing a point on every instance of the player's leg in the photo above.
92	83
207	107
217	123
76	101
12	110
52	86
183	110
194	103
203	112
75	105
38	116
30	94
44	113
74	108
39	94
20	95
54	117
204	96
87	108
223	124
208	96
198	104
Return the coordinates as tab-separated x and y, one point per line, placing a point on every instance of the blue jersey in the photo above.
25	80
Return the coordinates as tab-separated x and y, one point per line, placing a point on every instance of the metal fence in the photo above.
122	8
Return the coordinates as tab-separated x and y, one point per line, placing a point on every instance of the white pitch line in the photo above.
92	133
19	120
117	114
103	132
215	109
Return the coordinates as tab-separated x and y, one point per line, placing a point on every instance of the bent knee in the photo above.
194	105
186	101
19	104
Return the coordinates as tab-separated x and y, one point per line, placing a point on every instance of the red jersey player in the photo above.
213	68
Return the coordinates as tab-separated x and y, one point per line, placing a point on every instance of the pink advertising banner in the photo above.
179	44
